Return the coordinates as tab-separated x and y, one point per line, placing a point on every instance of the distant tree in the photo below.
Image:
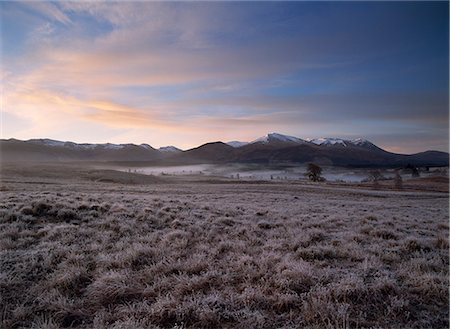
415	172
413	169
314	173
375	176
398	181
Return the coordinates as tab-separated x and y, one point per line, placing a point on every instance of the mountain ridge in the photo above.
271	148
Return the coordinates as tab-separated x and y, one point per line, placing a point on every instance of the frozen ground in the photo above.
273	172
101	249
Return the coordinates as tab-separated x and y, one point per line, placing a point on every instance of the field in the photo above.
100	249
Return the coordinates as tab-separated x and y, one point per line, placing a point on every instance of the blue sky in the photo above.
193	72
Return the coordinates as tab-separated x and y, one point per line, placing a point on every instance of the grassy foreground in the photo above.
198	255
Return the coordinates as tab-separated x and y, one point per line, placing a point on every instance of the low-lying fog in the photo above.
258	172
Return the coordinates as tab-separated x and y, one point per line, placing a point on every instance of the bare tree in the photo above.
398	181
374	177
314	173
414	170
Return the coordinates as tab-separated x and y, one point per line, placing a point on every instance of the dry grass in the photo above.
95	255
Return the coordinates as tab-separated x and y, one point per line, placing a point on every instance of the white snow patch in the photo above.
278	137
328	141
48	142
148	147
169	149
236	144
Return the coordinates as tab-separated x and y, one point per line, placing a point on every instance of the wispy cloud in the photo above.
49	10
35	103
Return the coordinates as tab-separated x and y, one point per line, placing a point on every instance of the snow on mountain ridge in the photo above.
338	141
328	141
54	143
361	142
169	149
277	137
147	146
47	141
236	144
85	146
114	146
269	138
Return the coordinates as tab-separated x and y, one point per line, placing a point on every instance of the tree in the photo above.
314	172
413	169
374	177
398	181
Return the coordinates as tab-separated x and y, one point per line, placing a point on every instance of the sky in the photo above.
187	73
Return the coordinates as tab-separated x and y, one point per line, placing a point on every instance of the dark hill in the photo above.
363	154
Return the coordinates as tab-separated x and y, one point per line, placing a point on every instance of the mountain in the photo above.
356	155
236	143
148	147
51	150
427	158
273	148
278	138
169	149
216	152
109	146
343	142
269	139
363	143
328	141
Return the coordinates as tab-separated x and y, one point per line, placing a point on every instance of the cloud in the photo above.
137	65
154	44
109	113
48	109
216	69
428	108
48	9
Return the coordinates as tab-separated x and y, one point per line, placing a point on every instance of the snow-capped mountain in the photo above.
364	143
275	137
237	144
270	138
50	142
341	142
327	141
148	147
87	146
169	149
109	146
104	146
272	148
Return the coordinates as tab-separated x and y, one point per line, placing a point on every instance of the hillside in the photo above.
273	148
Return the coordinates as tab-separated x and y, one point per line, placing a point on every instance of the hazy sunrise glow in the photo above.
193	72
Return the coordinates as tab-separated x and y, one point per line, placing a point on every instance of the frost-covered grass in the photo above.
198	255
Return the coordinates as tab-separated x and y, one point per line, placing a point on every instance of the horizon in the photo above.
185	74
309	140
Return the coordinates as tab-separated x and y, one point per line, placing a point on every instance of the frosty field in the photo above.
102	249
